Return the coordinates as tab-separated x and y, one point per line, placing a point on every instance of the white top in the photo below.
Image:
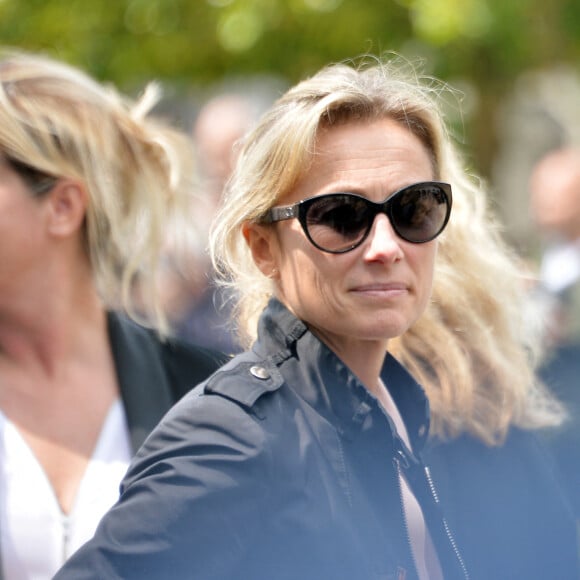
36	537
561	266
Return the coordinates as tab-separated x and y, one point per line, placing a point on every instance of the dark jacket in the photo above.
283	466
153	375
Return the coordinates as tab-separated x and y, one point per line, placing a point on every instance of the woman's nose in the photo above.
383	244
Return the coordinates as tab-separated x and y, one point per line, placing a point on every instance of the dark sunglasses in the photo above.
340	222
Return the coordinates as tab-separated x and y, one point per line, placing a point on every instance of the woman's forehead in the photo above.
356	156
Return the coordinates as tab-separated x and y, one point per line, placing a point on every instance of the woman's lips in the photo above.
388	289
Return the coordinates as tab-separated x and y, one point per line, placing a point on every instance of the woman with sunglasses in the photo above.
89	182
365	297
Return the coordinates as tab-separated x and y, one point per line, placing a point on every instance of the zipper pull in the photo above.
402	459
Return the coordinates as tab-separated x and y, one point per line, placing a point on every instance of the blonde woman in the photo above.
371	284
88	184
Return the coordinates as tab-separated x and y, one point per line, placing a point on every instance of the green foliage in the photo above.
485	43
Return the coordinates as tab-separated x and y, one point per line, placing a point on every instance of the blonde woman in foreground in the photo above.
373	286
88	184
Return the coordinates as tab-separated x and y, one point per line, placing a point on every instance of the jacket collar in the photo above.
143	384
328	384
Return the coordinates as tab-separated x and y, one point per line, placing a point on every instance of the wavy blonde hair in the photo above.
472	349
56	121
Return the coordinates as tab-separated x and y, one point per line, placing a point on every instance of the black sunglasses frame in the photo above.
300	210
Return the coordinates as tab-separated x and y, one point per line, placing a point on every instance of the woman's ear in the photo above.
263	244
66	208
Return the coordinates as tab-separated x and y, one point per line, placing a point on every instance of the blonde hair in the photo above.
472	349
56	121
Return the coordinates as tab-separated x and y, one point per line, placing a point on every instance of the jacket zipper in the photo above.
446	524
397	459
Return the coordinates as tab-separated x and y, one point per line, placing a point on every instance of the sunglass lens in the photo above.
337	223
420	213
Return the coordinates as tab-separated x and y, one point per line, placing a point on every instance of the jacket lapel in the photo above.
143	383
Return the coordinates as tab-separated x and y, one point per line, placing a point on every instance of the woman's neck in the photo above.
365	358
43	332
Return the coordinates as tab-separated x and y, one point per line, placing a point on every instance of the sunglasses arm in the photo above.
280	213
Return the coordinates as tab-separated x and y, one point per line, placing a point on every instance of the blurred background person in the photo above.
89	182
555	210
199	309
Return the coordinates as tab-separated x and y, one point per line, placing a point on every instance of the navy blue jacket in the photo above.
283	466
